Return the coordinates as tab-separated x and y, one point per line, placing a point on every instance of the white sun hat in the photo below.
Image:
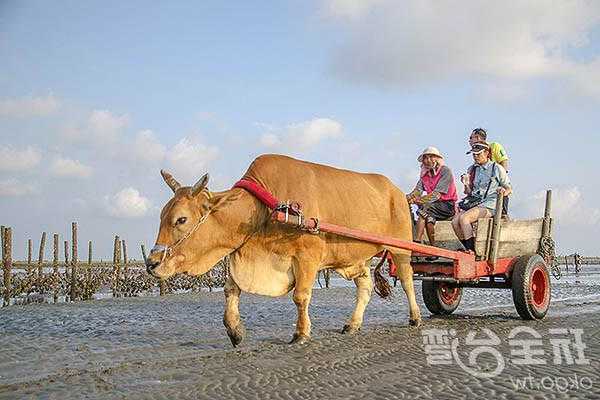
432	151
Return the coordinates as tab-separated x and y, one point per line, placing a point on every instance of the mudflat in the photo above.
175	347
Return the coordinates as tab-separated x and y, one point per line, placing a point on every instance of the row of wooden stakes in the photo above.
71	265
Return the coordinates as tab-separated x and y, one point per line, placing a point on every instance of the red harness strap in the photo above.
259	192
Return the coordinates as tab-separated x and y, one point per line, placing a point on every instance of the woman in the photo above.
485	179
439	203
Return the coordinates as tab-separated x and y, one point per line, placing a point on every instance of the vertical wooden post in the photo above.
74	261
29	255
89	270
41	255
7	264
143	252
117	266
496	231
55	266
67	267
2	227
547	214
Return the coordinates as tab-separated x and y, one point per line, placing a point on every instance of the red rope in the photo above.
259	192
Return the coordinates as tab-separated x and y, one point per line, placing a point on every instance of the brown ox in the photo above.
198	228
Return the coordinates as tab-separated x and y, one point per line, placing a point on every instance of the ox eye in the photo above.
181	220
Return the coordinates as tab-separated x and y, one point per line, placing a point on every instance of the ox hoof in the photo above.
300	339
414	322
350	329
236	335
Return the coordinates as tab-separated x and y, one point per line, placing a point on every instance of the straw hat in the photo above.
432	151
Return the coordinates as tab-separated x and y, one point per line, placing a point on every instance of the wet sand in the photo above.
175	347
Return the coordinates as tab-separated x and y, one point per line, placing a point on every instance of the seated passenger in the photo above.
439	203
484	180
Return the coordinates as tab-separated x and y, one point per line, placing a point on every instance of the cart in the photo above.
509	254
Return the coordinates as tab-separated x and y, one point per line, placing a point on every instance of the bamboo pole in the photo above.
41	255
67	266
74	261
29	255
89	270
117	267
2	227
55	266
7	263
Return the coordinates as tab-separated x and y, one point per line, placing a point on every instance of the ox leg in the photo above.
305	278
404	272
231	318
364	288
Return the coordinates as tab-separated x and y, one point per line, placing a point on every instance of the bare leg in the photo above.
420	229
305	277
364	288
456	226
470	216
231	318
405	274
431	233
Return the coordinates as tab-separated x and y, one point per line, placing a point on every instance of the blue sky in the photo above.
96	97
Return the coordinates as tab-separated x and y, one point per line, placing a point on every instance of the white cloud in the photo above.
303	135
127	203
568	207
188	160
65	167
147	148
14	188
269	140
29	107
12	159
106	127
416	42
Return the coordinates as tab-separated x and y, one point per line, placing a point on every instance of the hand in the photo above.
465	179
503	191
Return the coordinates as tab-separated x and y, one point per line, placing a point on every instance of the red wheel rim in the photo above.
539	287
448	295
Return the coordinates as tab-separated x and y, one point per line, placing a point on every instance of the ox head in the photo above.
188	235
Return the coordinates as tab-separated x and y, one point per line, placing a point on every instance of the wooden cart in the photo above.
509	254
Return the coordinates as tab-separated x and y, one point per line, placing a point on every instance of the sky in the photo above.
97	97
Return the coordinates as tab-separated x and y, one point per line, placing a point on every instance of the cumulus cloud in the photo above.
105	126
147	148
29	107
12	159
66	167
188	160
15	188
127	203
568	207
421	42
303	135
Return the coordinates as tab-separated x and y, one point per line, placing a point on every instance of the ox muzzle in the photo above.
151	262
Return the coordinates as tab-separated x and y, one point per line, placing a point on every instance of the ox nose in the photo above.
151	265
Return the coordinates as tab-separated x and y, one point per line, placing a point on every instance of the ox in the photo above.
199	227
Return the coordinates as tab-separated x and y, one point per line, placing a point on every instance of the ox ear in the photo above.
200	185
170	181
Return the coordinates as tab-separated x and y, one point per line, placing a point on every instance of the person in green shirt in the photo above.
498	155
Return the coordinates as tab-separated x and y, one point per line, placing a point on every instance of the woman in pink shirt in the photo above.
439	202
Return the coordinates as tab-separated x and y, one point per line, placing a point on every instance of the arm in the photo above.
503	180
505	164
414	196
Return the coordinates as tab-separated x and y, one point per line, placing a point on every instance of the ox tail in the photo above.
382	286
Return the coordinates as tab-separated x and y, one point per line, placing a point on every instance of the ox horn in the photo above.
200	185
172	182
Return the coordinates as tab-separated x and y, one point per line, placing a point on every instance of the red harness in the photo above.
259	192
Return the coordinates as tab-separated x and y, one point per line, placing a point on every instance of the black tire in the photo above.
440	298
531	287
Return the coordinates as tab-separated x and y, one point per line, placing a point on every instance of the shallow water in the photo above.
176	346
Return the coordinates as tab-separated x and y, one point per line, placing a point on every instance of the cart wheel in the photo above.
531	287
441	298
